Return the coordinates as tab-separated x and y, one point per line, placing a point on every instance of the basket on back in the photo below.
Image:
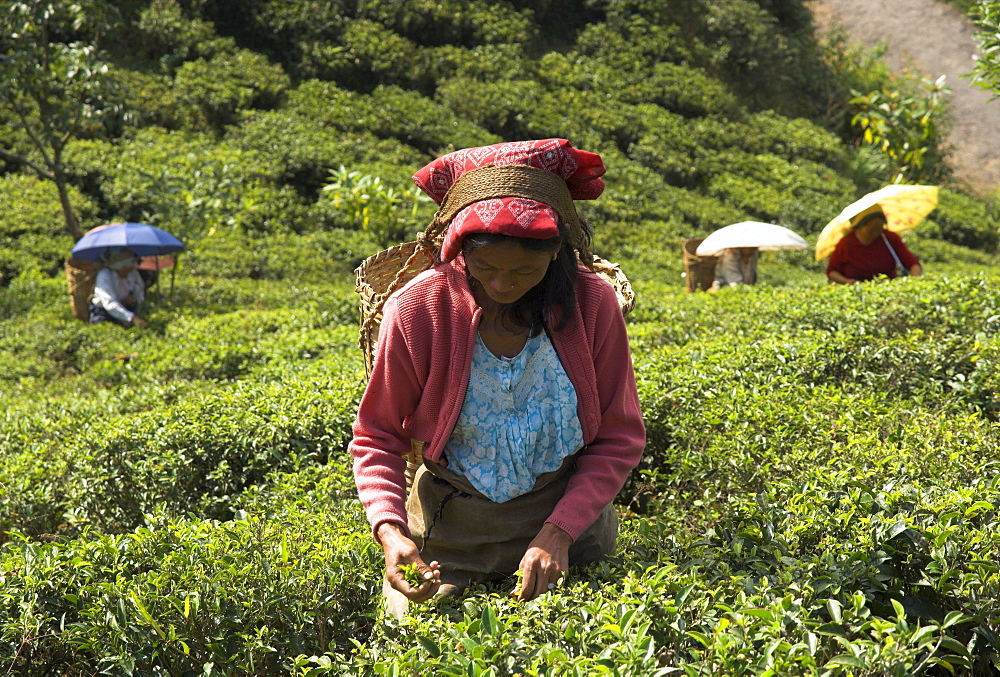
80	277
699	271
377	273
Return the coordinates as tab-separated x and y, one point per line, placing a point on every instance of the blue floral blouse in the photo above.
518	421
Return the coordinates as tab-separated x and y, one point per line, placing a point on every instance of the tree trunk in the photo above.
72	224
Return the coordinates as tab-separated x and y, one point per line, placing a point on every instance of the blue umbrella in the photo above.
142	239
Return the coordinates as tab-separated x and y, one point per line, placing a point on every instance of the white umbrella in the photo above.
765	236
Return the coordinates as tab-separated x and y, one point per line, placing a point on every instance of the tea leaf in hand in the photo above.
412	575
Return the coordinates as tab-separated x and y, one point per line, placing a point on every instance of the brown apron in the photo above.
476	539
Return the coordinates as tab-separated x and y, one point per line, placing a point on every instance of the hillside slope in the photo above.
936	39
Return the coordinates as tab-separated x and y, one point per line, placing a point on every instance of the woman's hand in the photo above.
840	278
400	552
545	562
138	321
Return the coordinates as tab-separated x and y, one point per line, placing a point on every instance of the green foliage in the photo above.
500	107
852	68
56	89
371	54
986	73
964	221
453	22
749	49
389	112
675	87
906	128
375	208
32	233
504	61
209	94
168	37
631	42
784	501
184	183
317	256
299	152
819	493
279	584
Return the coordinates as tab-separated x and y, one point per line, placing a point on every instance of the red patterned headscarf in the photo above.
518	216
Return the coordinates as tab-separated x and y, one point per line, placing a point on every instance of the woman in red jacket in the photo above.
869	251
510	362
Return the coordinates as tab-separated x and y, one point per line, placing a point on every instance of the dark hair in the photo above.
868	217
557	288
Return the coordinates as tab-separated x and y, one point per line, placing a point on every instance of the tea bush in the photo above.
245	595
502	61
963	221
165	35
300	152
632	40
192	457
209	92
818	495
451	23
32	230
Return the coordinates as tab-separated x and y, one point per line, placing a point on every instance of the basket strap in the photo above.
524	181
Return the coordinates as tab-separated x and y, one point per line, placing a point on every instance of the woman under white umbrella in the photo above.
737	247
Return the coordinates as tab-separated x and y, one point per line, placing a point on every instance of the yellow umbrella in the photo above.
904	207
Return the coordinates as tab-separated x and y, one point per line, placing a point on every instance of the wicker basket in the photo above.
699	271
80	277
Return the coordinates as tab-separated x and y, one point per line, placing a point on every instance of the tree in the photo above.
986	74
905	127
54	84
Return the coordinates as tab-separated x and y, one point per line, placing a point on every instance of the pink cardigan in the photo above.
421	371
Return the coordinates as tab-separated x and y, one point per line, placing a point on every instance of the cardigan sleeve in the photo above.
604	464
380	441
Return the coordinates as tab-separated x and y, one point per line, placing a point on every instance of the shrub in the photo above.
964	221
500	107
454	22
32	230
631	42
372	55
306	39
192	458
390	112
210	93
501	61
366	203
678	88
987	70
906	128
319	257
191	188
246	595
299	151
420	122
148	97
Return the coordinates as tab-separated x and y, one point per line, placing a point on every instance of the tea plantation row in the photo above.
819	495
